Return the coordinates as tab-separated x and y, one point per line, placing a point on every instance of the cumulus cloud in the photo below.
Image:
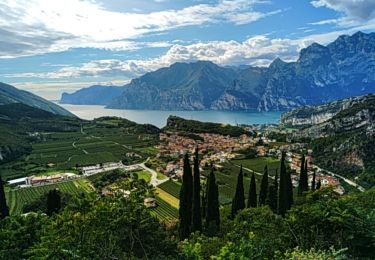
355	11
258	50
38	26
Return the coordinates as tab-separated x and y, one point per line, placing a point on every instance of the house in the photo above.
149	202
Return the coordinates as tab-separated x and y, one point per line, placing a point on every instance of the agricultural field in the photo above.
164	211
90	145
171	187
258	164
17	198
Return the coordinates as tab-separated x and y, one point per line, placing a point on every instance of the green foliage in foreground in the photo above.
321	226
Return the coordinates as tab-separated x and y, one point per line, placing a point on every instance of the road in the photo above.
351	183
154	175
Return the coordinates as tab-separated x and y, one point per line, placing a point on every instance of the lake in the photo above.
159	118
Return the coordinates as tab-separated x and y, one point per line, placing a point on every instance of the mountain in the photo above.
343	142
185	86
10	95
94	95
343	68
313	115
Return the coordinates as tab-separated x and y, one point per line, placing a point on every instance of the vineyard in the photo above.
171	187
17	198
164	211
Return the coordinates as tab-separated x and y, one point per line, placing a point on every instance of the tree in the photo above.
252	199
263	188
283	189
212	209
4	211
272	194
313	181
301	187
238	202
186	194
319	184
197	216
53	202
289	189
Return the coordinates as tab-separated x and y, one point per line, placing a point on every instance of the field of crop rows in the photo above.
17	198
164	211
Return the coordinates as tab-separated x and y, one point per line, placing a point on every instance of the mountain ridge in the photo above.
10	94
343	68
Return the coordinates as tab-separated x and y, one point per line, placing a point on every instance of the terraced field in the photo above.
18	197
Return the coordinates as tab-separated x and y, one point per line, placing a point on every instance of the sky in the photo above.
53	46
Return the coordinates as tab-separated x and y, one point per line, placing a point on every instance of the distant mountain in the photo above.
10	95
313	115
94	95
343	142
185	86
343	68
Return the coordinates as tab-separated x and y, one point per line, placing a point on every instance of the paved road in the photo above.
154	175
352	183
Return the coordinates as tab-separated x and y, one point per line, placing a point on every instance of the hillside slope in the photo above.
345	143
10	95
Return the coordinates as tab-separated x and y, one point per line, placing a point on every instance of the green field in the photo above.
257	164
17	198
92	145
171	187
164	211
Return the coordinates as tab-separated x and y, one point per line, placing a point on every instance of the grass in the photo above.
144	175
161	176
171	200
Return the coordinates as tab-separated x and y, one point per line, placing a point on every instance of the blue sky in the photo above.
52	46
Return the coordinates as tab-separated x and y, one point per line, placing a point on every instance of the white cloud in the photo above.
32	27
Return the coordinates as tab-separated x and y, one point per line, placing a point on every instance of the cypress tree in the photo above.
212	209
197	217
186	194
289	190
301	187
272	195
318	185
252	199
53	202
306	180
238	202
203	206
263	188
4	211
283	189
313	181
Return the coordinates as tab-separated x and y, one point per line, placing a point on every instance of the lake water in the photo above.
159	118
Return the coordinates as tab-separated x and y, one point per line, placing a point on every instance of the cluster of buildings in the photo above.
215	148
104	167
41	180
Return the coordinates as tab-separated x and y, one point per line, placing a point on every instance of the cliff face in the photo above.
337	117
342	69
344	141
